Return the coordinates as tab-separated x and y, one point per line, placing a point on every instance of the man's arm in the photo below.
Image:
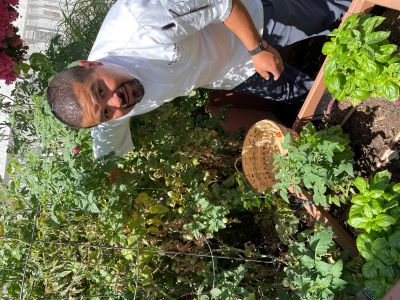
240	23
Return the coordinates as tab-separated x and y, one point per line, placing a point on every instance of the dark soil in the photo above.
372	129
392	23
376	122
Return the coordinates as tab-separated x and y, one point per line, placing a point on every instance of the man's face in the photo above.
109	93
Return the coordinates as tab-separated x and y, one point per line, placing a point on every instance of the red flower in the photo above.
7	68
13	2
75	150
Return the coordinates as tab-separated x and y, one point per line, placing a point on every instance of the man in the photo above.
149	52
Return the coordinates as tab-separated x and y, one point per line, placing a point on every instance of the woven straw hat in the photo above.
262	142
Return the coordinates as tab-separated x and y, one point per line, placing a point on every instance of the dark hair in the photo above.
61	96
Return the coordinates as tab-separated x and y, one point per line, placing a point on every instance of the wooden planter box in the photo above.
245	117
318	88
307	112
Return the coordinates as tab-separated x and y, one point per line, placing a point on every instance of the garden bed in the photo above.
372	129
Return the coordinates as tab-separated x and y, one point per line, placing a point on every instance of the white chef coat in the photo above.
172	47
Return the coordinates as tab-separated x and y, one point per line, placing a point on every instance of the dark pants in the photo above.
287	22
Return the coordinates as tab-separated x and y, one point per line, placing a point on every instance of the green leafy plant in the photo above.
227	286
361	62
382	253
312	272
375	209
316	160
376	206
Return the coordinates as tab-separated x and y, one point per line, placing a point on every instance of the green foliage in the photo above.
166	197
375	209
316	161
361	62
382	253
312	272
286	222
177	189
227	286
376	206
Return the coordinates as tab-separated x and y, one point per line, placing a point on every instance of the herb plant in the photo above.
312	272
317	160
361	62
376	206
375	209
382	253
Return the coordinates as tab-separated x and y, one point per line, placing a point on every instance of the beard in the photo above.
136	89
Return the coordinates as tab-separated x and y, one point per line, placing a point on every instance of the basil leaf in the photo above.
394	240
370	23
384	220
364	245
359	222
376	37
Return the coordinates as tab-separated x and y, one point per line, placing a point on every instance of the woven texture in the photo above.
262	142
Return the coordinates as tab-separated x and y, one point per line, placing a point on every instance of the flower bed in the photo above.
12	47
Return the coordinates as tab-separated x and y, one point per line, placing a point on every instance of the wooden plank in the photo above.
341	236
393	4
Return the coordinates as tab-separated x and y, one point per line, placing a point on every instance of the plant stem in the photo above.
348	115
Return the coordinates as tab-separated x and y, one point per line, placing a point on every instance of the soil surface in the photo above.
376	122
372	129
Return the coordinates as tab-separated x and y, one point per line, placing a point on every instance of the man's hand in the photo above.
241	24
268	61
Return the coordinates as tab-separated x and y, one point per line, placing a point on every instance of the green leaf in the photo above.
369	24
361	184
338	282
384	220
323	267
369	269
358	222
337	268
364	245
380	180
334	83
329	68
375	194
387	272
370	67
376	37
378	245
394	240
361	94
328	48
368	211
321	241
215	292
307	261
158	209
390	90
251	296
385	255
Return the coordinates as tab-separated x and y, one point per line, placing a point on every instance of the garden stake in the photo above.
348	115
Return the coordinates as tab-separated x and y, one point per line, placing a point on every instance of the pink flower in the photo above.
75	151
16	43
10	32
7	68
13	2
